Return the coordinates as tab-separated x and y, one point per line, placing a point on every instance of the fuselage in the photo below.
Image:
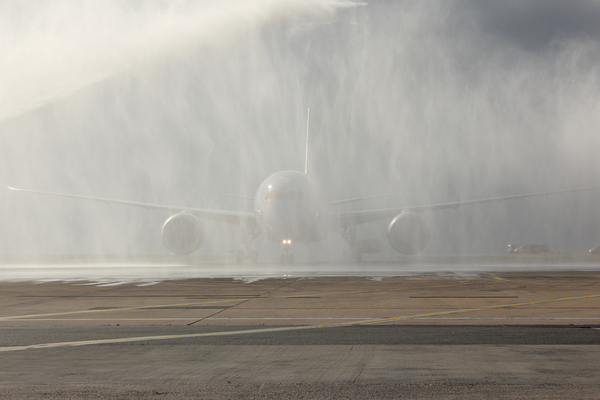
289	207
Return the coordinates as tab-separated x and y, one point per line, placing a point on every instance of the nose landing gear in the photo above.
287	257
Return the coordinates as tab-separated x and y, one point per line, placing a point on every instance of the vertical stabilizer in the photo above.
307	132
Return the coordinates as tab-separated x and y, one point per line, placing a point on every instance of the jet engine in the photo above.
182	233
408	234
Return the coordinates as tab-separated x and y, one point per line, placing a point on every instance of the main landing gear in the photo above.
348	233
246	253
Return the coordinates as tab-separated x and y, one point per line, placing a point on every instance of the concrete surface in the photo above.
495	335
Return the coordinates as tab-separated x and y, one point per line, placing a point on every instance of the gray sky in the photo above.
534	25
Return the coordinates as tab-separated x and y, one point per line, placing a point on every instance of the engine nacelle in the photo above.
182	233
408	234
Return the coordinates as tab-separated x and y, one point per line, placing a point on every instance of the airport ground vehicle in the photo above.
528	248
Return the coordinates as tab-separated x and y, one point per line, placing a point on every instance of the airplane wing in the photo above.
231	217
364	216
357	199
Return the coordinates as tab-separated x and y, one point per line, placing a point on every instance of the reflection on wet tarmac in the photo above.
144	274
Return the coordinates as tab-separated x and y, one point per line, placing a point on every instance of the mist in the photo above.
179	102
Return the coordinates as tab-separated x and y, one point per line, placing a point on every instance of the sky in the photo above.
178	102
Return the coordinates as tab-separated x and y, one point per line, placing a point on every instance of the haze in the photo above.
179	102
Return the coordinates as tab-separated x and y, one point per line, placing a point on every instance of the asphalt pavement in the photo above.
530	334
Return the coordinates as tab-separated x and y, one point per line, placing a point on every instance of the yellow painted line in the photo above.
216	302
474	309
118	309
282	329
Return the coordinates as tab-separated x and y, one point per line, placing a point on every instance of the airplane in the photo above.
289	209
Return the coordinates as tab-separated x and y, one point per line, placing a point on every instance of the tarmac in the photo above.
533	333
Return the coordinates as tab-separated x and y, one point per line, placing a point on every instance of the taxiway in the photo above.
443	333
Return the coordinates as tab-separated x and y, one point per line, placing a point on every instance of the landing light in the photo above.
287	241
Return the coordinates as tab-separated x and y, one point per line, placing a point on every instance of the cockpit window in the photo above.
281	195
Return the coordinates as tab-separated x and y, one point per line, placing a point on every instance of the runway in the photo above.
431	334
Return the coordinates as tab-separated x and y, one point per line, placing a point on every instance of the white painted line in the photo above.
515	318
101	319
180	319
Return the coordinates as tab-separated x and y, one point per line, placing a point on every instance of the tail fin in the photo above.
307	131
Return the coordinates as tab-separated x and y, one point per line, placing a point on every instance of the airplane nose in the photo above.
286	229
287	223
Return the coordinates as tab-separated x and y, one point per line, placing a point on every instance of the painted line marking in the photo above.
282	329
222	301
187	319
313	319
